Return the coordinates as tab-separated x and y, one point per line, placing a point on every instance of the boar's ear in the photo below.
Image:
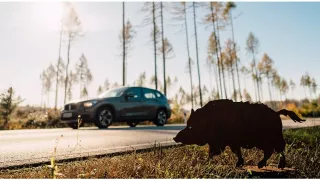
192	111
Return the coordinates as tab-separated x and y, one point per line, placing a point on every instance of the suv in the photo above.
124	104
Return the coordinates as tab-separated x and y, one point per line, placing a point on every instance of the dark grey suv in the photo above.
125	104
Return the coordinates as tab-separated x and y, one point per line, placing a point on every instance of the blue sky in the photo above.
288	32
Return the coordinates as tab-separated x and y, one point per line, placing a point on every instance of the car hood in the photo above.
89	99
83	100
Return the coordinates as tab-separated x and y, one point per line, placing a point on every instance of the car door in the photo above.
131	106
149	103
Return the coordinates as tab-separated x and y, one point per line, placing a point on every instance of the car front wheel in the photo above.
104	118
161	118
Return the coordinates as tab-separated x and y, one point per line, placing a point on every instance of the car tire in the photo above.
132	123
104	118
161	118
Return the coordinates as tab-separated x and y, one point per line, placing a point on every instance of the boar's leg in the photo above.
212	151
237	151
267	155
282	162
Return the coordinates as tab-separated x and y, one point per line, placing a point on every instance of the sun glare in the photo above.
48	15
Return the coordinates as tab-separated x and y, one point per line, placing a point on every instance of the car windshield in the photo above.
113	93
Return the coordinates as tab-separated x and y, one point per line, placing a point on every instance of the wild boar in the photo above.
222	123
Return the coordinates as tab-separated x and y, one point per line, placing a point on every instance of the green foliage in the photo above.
303	108
8	103
310	109
83	75
308	136
34	118
100	90
141	79
177	115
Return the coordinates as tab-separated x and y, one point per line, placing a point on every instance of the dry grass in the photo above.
34	118
183	162
38	118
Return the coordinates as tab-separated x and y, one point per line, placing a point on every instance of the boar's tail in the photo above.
291	114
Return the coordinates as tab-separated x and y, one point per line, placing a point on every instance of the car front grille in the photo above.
72	106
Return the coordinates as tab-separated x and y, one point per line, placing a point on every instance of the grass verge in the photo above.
302	154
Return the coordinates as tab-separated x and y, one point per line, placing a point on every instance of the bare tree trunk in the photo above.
220	76
280	99
57	82
124	45
256	91
304	88
126	66
155	44
228	77
163	52
196	38
310	93
234	48
222	66
67	68
256	73
217	81
210	78
260	86
85	86
48	97
261	91
238	80
188	51
81	81
58	68
269	89
234	92
216	46
254	83
270	94
234	85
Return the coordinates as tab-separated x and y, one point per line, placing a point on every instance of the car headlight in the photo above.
89	103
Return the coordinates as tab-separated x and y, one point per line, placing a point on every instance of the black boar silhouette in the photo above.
222	123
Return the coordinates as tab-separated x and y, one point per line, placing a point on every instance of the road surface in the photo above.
19	147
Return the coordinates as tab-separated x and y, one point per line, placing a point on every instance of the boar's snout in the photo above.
182	137
175	139
188	137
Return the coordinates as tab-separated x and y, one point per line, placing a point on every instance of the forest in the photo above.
222	63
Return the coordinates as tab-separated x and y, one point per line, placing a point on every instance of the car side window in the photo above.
158	94
136	93
148	94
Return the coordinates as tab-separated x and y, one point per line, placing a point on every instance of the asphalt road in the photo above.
20	147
